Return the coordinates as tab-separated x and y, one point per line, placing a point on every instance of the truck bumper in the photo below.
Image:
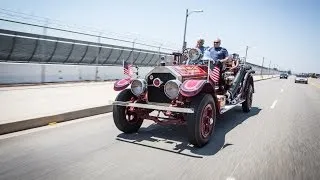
154	107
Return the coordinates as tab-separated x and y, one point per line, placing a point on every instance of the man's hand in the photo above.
227	59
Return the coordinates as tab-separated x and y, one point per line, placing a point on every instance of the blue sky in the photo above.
285	32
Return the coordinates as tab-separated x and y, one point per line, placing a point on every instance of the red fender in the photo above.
122	84
191	88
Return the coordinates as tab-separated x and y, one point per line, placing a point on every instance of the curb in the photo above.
43	121
68	116
264	79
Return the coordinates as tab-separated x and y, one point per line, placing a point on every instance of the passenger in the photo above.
200	46
233	64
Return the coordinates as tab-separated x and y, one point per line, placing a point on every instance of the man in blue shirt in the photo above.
218	53
220	56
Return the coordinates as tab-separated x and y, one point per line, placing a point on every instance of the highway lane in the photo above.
278	139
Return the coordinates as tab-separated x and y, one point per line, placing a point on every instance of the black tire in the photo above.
120	117
246	105
202	104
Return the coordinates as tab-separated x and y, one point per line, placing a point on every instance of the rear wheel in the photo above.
246	105
125	120
201	123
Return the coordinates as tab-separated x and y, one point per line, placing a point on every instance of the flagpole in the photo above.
123	67
208	70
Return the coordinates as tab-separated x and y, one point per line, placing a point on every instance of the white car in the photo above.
301	78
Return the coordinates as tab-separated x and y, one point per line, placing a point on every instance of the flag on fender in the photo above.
215	74
127	69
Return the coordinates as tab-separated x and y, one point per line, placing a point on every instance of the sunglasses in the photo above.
216	42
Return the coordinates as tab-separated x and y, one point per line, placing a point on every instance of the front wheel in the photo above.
125	120
201	123
246	105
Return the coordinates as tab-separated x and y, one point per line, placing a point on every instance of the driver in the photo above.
218	53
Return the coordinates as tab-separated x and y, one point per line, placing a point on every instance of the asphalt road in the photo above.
278	139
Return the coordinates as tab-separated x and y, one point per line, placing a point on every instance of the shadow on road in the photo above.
174	138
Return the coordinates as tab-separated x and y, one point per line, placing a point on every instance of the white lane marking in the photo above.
61	124
274	104
231	178
281	90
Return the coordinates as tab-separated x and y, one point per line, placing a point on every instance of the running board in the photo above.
230	106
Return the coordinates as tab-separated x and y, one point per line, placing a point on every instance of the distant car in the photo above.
301	78
283	75
314	76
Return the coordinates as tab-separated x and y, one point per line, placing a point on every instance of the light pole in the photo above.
274	70
184	45
269	67
98	54
262	66
133	44
245	60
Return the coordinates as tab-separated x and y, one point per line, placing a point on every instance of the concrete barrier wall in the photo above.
11	73
18	73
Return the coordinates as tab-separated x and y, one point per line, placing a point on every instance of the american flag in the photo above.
127	68
215	74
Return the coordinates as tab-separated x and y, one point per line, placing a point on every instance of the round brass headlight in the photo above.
138	86
172	89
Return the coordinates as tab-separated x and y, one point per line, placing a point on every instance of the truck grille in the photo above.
156	94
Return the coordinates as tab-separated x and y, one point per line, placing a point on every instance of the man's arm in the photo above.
226	55
236	64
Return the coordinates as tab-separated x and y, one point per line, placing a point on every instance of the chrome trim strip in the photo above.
153	106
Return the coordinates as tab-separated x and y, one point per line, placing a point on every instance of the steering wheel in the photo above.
185	54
